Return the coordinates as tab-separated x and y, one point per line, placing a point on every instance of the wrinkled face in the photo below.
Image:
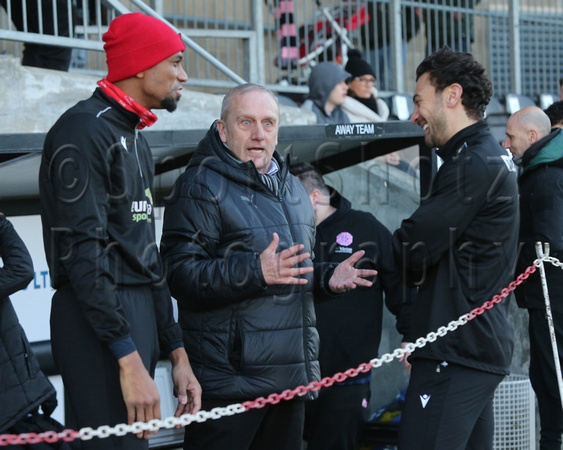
338	94
251	128
429	112
361	86
516	137
162	84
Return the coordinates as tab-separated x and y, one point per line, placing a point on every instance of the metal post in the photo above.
540	253
514	26
189	42
257	55
396	34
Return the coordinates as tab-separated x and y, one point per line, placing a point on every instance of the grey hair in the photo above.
239	90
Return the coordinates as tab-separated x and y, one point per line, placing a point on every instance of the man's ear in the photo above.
317	198
532	136
452	94
222	129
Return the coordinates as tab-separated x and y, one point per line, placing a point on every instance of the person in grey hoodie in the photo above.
327	92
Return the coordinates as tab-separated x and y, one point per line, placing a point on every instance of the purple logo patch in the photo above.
344	238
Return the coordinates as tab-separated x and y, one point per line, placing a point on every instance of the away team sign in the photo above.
353	129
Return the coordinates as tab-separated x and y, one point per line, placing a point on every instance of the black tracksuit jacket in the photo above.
95	183
460	247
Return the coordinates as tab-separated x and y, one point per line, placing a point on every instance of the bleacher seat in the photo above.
546	100
496	116
402	106
515	102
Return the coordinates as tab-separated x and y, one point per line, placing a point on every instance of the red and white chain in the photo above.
237	408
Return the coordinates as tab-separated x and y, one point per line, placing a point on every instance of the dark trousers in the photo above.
544	378
89	370
274	427
38	55
335	420
448	407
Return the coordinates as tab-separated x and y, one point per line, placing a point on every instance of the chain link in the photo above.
104	431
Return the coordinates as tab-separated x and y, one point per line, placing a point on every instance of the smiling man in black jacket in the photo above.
246	308
111	315
459	248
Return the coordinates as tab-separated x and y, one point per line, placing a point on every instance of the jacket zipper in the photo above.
136	152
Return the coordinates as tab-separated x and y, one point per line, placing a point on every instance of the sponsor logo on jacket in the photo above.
142	209
344	240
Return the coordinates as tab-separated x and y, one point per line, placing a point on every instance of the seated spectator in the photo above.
555	114
57	19
327	92
561	88
362	103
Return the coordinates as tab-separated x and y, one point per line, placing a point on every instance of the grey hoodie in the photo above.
324	77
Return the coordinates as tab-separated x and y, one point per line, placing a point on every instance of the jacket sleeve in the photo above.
169	332
201	276
399	298
79	153
435	226
17	271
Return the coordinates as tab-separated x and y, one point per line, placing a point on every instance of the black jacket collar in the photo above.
461	138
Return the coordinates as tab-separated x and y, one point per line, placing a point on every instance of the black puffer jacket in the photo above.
24	387
244	338
95	183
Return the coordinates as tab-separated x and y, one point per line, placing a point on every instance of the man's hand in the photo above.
345	277
139	392
277	268
186	386
403	359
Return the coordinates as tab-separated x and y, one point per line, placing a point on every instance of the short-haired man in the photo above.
539	152
111	313
459	248
349	326
555	114
246	308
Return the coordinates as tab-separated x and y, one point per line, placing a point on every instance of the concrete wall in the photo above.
32	99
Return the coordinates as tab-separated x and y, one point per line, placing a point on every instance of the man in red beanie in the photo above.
111	314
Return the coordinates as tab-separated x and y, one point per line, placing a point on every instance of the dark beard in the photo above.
169	104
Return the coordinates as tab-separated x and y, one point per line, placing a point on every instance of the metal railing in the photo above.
277	42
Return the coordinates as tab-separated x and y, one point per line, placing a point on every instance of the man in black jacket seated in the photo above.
539	152
459	248
349	327
246	309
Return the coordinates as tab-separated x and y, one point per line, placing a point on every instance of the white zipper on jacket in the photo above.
136	152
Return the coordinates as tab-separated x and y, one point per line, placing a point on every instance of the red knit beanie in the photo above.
135	42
